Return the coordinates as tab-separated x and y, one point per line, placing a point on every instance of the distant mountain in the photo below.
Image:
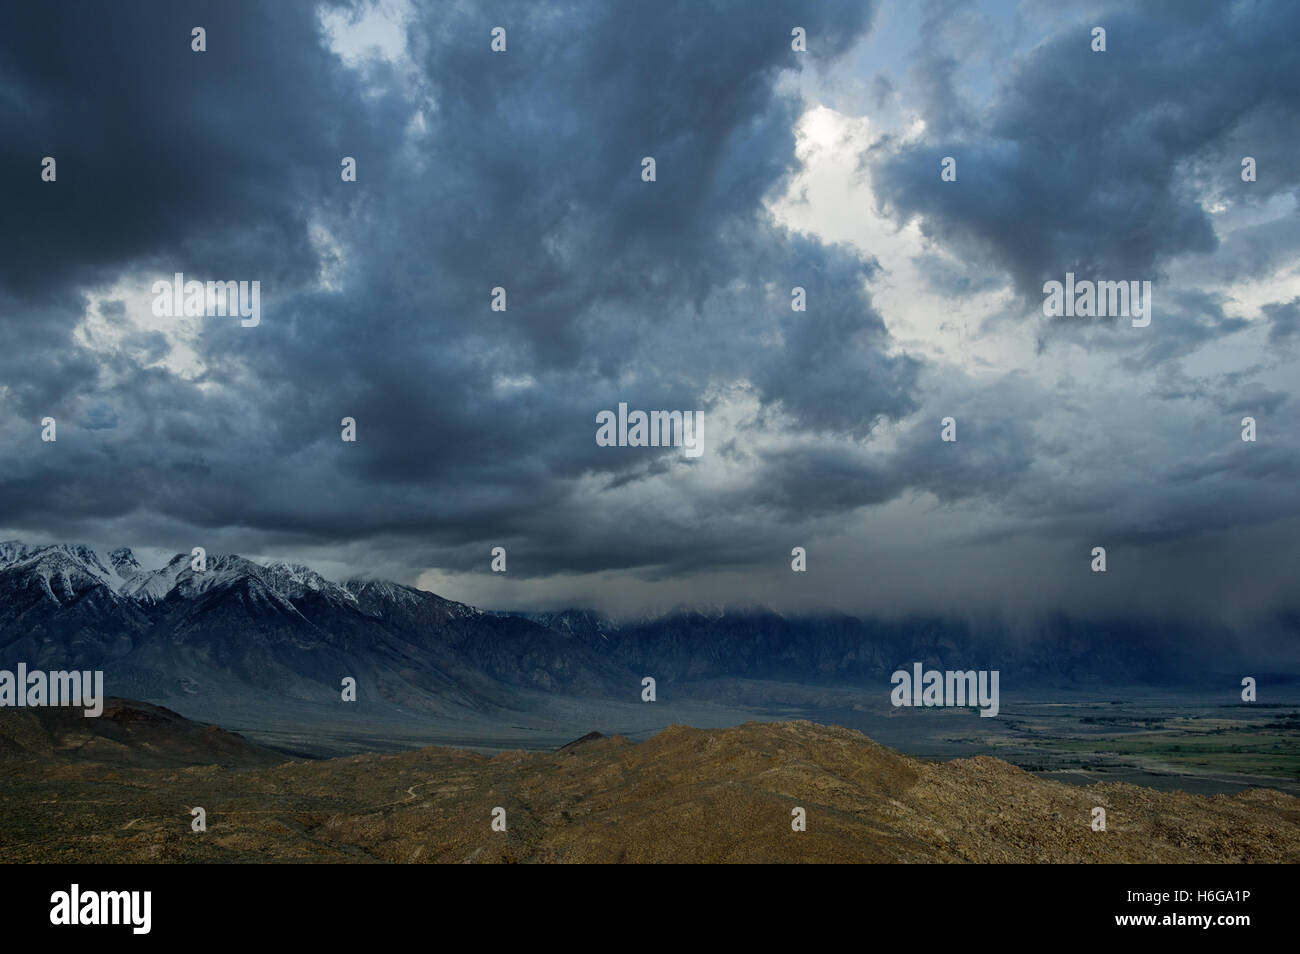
283	632
281	629
686	646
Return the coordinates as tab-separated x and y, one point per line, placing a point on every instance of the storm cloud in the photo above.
522	170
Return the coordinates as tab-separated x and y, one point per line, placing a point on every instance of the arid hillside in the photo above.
686	795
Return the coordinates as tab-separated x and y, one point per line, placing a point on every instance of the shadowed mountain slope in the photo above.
128	734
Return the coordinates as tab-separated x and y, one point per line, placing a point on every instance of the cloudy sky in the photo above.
523	169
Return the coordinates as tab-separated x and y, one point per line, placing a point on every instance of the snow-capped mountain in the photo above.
278	627
297	581
283	630
63	571
68	570
124	562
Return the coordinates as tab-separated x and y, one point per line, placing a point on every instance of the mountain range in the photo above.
241	627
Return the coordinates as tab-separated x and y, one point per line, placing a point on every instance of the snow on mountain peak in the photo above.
124	562
294	580
66	571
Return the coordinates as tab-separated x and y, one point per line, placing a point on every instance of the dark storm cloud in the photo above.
476	169
472	424
1284	321
1192	319
168	159
197	158
1082	160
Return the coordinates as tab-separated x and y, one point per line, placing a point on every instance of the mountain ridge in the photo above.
240	629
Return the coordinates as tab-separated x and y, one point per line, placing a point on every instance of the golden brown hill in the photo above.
686	795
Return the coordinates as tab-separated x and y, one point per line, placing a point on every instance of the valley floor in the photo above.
1167	740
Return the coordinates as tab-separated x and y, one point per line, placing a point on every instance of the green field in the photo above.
1263	748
